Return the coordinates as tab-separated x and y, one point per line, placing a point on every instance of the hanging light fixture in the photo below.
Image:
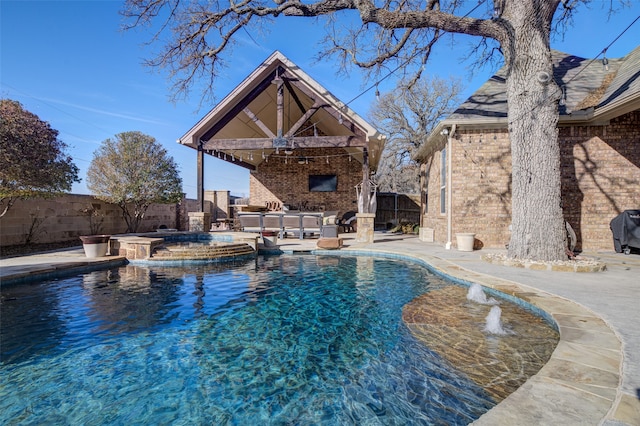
277	80
289	149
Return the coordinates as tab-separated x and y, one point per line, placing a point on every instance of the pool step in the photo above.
201	251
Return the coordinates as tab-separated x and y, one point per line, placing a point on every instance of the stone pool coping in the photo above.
137	247
53	264
581	382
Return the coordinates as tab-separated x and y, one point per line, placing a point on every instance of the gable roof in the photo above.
244	125
593	95
623	94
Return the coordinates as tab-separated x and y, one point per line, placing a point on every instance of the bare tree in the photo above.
407	115
198	33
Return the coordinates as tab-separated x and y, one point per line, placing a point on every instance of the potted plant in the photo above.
270	238
95	245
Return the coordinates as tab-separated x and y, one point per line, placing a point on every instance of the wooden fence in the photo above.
394	209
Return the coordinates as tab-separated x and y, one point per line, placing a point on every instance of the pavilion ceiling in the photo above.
279	111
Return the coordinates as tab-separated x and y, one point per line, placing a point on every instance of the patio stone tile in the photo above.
628	410
584	322
602	358
589	338
543	401
574	373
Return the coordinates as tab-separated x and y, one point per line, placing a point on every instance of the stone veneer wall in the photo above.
600	168
288	183
62	218
221	204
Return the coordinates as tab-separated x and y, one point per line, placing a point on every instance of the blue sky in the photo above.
69	63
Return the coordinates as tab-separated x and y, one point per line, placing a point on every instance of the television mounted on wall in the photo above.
323	183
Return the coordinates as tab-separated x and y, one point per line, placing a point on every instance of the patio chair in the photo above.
348	222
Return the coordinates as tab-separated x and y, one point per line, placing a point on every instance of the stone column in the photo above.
365	227
199	221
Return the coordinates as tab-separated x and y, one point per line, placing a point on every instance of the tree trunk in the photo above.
537	223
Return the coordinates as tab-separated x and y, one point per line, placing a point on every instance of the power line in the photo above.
541	103
411	58
57	108
402	65
603	52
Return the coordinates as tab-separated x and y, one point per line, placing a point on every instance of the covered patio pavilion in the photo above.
305	149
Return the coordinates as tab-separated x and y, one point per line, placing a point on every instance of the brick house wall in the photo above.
481	181
600	168
430	186
600	177
275	181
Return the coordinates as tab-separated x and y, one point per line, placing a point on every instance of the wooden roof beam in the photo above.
244	102
331	111
267	132
293	95
307	115
250	144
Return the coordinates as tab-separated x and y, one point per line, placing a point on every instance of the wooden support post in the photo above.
200	178
366	183
280	106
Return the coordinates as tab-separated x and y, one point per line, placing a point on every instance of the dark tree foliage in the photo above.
33	162
134	171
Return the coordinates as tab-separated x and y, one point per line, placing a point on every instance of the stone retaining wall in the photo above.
66	217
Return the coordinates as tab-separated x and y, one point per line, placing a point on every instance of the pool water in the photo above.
291	339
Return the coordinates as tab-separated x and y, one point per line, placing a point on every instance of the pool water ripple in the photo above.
274	340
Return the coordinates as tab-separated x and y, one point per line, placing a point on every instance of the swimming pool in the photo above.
290	339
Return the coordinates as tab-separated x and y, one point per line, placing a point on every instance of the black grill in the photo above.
626	231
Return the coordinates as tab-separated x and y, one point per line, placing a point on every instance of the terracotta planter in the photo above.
95	245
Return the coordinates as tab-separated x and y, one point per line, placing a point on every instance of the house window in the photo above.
443	181
426	193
